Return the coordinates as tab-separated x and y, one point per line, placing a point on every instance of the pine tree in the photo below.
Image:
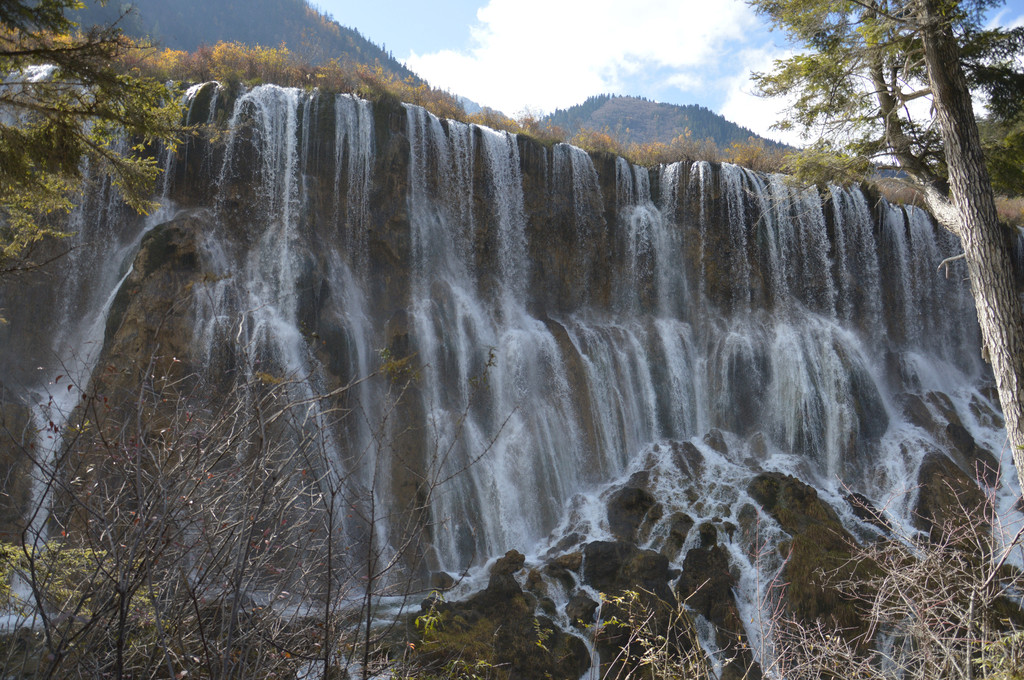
64	99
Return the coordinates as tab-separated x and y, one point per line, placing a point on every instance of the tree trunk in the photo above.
988	258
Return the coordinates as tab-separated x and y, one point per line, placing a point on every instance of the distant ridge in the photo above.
641	121
187	24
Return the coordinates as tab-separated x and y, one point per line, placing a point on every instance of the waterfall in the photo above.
573	324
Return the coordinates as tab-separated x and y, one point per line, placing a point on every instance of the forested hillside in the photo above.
187	24
641	121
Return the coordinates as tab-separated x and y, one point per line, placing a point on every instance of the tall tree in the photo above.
65	99
867	67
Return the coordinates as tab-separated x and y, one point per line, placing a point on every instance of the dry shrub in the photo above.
598	141
757	155
231	62
1011	210
496	120
900	192
683	148
531	124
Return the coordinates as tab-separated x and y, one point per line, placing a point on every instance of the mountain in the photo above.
187	24
639	120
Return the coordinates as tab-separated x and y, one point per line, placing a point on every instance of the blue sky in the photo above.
539	55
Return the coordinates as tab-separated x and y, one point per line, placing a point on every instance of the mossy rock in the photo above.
496	632
947	498
819	554
627	510
17	439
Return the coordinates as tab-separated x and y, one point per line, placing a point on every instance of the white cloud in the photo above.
1006	19
745	108
555	53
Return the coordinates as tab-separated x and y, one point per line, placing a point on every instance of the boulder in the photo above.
679	525
947	498
716	441
819	546
688	459
976	461
706	586
629	509
613	568
442	580
497	626
581	610
571	561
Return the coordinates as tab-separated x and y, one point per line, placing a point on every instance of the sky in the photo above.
541	55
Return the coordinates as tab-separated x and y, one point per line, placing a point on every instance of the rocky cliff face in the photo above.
498	345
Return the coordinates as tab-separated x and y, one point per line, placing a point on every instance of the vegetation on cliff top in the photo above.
191	24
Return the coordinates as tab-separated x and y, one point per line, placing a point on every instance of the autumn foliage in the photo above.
231	62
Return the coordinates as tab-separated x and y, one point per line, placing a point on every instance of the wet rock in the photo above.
749	526
819	546
985	414
581	610
560	574
866	511
706	586
613	568
868	405
679	527
567	543
572	561
688	459
716	441
535	583
979	463
627	510
499	626
916	411
166	268
442	580
635	584
502	582
758	446
641	479
708	534
792	503
943	405
948	500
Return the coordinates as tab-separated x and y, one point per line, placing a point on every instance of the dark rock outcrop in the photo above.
819	546
498	626
629	510
635	584
947	498
679	528
17	444
706	586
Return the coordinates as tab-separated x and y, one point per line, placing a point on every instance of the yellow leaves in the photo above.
398	368
757	155
268	379
597	140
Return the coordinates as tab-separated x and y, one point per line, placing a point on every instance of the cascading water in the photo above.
573	330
